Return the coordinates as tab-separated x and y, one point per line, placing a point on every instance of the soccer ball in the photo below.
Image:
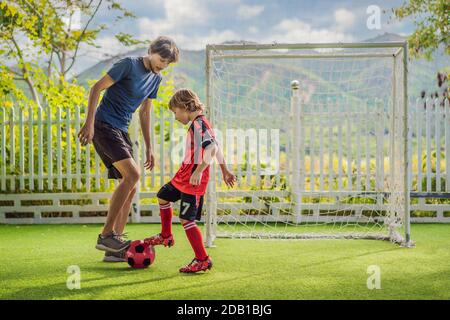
140	255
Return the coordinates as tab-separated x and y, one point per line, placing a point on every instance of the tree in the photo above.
40	42
432	20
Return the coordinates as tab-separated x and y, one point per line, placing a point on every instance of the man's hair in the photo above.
166	48
186	99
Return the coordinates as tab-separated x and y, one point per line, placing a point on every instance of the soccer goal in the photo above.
317	135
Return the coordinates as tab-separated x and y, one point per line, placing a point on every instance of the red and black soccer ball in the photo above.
140	255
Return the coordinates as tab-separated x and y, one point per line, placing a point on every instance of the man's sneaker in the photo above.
122	237
197	265
159	239
111	243
115	256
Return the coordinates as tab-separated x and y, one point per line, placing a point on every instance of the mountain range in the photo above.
190	70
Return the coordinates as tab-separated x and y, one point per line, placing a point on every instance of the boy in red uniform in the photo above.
190	182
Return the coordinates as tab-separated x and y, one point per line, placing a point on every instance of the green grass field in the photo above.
35	261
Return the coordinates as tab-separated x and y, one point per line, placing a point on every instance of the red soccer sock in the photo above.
166	213
194	236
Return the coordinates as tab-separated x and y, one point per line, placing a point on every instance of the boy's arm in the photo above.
144	117
221	160
87	131
208	155
227	176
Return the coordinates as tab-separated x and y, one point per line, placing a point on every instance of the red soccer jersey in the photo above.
200	135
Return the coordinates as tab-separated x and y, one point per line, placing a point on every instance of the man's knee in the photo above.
132	177
129	170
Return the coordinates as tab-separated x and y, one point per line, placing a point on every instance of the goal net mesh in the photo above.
316	138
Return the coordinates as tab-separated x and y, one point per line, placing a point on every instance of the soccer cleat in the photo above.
159	239
197	265
115	256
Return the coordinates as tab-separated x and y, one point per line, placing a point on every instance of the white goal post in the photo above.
318	137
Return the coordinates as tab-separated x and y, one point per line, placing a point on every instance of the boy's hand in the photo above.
195	178
86	133
150	160
229	178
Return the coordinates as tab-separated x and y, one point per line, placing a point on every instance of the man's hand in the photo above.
86	133
229	178
150	160
195	178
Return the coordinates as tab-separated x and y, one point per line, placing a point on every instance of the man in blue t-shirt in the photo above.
131	82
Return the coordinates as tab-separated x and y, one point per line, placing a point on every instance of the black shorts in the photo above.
190	206
112	145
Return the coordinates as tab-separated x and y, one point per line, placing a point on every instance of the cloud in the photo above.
253	30
151	28
199	42
345	19
248	12
187	12
286	31
179	15
109	46
295	30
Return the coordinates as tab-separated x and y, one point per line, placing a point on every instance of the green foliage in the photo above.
128	40
49	46
64	103
432	20
10	93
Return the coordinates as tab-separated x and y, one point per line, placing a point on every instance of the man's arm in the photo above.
144	117
87	131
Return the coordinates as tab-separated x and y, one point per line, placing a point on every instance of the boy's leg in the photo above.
166	214
166	195
190	210
202	261
165	237
194	235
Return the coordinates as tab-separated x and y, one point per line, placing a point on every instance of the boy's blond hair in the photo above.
187	99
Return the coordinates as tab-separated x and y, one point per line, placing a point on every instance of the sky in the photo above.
195	23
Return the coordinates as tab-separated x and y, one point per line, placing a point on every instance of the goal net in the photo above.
317	136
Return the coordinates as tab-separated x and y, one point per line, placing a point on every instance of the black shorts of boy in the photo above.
190	206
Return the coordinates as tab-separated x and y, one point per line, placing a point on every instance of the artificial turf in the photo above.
35	260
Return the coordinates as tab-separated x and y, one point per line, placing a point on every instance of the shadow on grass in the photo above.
88	289
115	272
211	282
60	290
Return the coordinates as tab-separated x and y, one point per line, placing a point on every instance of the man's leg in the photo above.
130	177
119	227
122	219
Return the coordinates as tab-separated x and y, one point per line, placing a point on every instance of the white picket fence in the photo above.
46	176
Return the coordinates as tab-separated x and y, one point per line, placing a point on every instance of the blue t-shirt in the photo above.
133	83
